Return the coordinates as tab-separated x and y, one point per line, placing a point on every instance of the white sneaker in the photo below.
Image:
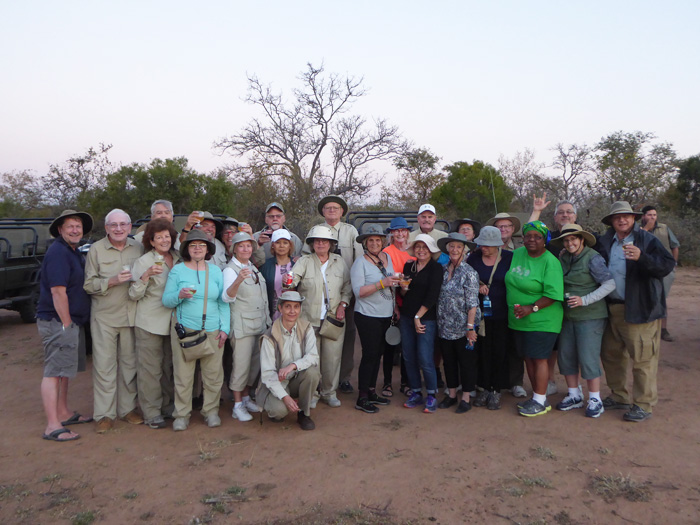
518	391
331	401
314	400
181	423
213	420
552	388
250	406
241	414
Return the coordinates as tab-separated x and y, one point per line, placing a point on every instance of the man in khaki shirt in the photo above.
107	278
426	224
333	208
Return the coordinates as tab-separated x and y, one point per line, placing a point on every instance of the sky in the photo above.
467	80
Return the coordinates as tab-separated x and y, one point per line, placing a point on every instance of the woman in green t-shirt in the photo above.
534	291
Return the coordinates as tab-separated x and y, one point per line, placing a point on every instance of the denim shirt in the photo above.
618	266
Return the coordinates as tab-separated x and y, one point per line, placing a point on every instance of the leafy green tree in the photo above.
474	190
631	167
21	194
418	176
688	184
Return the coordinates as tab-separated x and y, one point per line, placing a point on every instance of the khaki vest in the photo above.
579	281
250	314
660	231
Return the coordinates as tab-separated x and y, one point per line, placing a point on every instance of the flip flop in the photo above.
387	391
75	420
53	436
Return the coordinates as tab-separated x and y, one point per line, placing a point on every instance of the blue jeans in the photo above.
418	353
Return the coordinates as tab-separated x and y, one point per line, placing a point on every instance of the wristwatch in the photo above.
185	231
535	308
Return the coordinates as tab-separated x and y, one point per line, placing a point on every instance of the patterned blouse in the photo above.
457	296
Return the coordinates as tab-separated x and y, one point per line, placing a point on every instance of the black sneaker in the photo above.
463	407
448	402
305	422
366	405
636	414
482	399
377	399
345	387
610	404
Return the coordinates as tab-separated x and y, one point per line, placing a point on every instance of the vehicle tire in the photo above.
27	309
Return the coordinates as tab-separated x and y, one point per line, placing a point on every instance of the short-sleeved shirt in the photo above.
63	266
529	279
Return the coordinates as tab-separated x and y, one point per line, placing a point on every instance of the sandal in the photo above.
405	390
387	390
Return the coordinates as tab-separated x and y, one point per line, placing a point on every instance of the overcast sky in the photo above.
468	80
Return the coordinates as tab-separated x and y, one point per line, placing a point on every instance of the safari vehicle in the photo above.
23	243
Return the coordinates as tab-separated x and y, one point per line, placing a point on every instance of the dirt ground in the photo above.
397	466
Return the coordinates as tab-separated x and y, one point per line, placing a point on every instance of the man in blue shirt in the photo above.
63	310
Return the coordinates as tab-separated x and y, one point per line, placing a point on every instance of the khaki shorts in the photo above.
64	350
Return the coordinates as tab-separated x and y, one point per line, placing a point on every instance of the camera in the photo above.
180	331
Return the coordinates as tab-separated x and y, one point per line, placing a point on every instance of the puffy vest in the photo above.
579	281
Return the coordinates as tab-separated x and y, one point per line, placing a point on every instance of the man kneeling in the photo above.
289	364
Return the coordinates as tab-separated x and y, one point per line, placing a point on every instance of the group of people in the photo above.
173	315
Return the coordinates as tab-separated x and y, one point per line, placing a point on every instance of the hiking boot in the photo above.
133	418
376	399
448	402
431	404
415	400
240	413
569	403
345	387
610	404
518	391
636	414
666	336
595	408
482	399
103	425
366	405
305	422
532	408
494	402
463	407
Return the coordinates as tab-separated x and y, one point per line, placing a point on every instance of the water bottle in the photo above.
487	311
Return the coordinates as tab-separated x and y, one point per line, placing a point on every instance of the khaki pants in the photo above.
329	353
183	374
302	386
113	370
246	362
154	373
347	362
640	343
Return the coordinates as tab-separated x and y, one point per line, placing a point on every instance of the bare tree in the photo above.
419	175
575	164
312	145
22	189
524	176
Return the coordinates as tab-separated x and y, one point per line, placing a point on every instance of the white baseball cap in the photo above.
427	207
280	234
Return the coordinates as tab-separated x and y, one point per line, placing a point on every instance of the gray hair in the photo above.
165	203
562	202
116	210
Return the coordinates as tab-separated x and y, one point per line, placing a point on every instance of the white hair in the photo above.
562	202
116	210
165	203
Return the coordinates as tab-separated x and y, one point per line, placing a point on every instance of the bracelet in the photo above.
469	324
376	286
382	283
186	231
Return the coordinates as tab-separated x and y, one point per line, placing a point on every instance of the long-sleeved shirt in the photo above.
309	281
350	249
110	306
189	311
151	315
293	349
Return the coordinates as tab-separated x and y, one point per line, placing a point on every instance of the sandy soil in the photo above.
397	466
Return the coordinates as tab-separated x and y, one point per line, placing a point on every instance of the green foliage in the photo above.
418	176
470	191
688	185
632	168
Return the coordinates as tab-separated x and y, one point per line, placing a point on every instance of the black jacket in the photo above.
644	297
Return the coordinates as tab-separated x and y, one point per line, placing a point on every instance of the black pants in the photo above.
492	350
516	364
388	364
371	330
459	363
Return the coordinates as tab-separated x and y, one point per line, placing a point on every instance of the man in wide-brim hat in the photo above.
62	311
638	263
333	208
509	225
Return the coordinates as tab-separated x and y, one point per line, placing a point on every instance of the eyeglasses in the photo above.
332	208
121	225
197	245
566	212
505	227
229	232
275	216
